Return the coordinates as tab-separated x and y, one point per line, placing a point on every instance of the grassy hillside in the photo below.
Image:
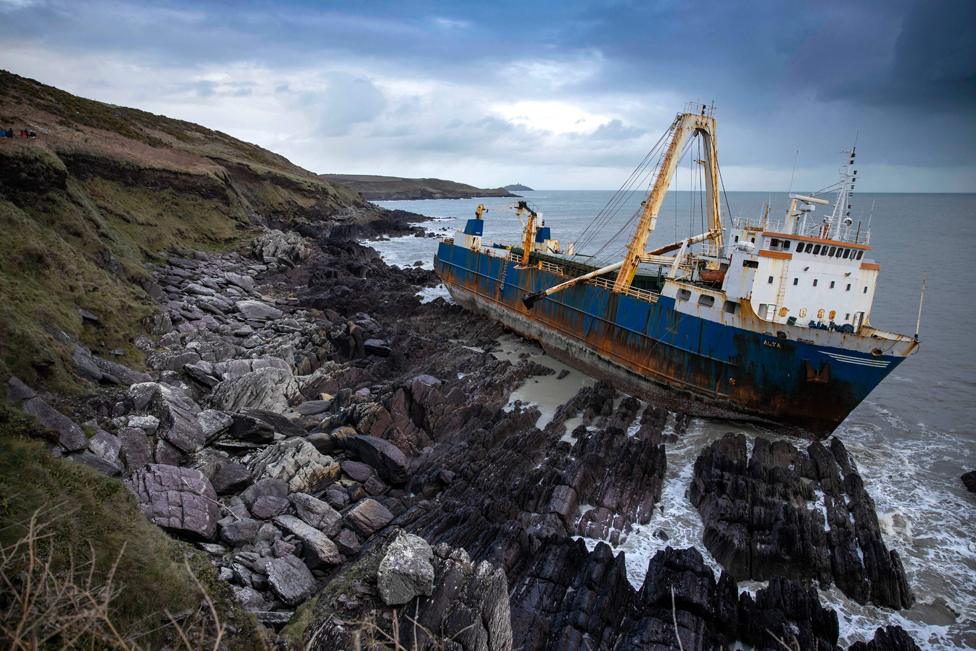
85	522
102	190
379	188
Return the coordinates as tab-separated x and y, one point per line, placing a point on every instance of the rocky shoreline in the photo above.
345	456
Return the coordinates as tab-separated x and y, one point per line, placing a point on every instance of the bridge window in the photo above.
816	249
786	245
847	253
809	248
774	243
833	251
860	254
706	301
796	281
684	294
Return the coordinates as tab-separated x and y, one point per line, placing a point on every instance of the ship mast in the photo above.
684	127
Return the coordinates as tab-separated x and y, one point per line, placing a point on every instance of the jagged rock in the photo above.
296	462
348	542
318	548
386	458
257	424
969	481
316	513
230	477
69	435
265	388
792	612
135	449
258	311
213	423
377	347
290	579
167	454
106	447
202	372
889	638
239	532
274	246
235	368
368	517
148	424
177	414
406	570
783	512
178	499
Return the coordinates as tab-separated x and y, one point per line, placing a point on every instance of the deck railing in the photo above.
605	283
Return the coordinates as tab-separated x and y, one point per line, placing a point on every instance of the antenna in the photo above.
796	155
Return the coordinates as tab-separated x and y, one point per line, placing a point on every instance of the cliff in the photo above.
102	190
387	188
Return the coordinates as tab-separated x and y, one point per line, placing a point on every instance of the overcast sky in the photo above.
557	95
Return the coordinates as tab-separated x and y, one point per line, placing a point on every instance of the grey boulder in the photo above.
406	570
297	463
290	579
319	549
69	435
388	460
368	517
265	388
178	499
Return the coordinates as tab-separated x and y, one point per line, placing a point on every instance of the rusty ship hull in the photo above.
646	346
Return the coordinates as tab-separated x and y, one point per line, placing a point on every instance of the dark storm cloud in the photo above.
430	81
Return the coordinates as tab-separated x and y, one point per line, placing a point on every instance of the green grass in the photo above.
91	508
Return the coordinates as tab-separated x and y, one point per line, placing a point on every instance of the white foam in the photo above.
430	294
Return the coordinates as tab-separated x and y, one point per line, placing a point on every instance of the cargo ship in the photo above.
748	319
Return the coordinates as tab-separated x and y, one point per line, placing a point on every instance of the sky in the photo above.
556	95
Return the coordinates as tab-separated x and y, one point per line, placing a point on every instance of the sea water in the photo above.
912	438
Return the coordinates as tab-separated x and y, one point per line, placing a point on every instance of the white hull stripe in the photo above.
862	361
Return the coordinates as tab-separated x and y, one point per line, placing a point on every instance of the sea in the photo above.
911	439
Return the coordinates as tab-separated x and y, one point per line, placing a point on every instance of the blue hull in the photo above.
646	345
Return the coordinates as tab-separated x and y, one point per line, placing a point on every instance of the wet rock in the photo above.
318	549
69	435
889	638
792	612
406	570
290	579
296	462
969	481
316	513
804	515
386	458
368	517
178	499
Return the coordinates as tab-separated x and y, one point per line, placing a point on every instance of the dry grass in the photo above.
49	606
